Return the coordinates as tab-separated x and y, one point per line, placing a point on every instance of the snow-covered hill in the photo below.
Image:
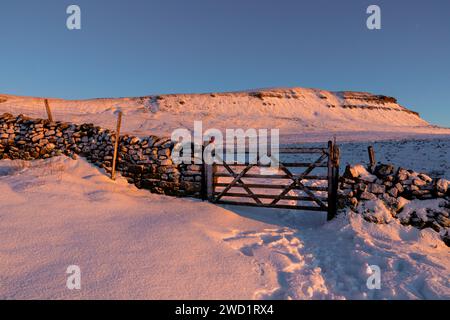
300	114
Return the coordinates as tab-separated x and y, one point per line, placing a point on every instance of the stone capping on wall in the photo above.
145	162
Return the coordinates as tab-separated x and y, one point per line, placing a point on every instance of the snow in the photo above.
430	156
128	243
302	115
420	208
363	174
131	244
375	210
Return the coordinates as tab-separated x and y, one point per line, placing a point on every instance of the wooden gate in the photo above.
299	183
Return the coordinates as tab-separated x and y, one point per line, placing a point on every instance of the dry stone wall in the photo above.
395	187
145	162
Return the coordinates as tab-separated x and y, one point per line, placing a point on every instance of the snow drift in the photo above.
130	244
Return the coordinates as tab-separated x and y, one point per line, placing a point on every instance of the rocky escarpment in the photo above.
145	162
364	100
345	99
386	192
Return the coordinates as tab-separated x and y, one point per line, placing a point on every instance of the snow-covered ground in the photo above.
133	244
427	155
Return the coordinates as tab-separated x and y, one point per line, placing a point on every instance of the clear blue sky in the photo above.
140	47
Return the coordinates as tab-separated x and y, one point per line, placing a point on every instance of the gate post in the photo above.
337	157
209	176
333	179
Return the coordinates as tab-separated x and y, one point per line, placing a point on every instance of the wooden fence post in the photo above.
49	111
116	146
371	159
333	179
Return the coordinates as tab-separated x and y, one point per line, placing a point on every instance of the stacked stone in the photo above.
28	139
395	187
145	162
148	164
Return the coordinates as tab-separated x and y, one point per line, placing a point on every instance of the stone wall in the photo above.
145	162
395	187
